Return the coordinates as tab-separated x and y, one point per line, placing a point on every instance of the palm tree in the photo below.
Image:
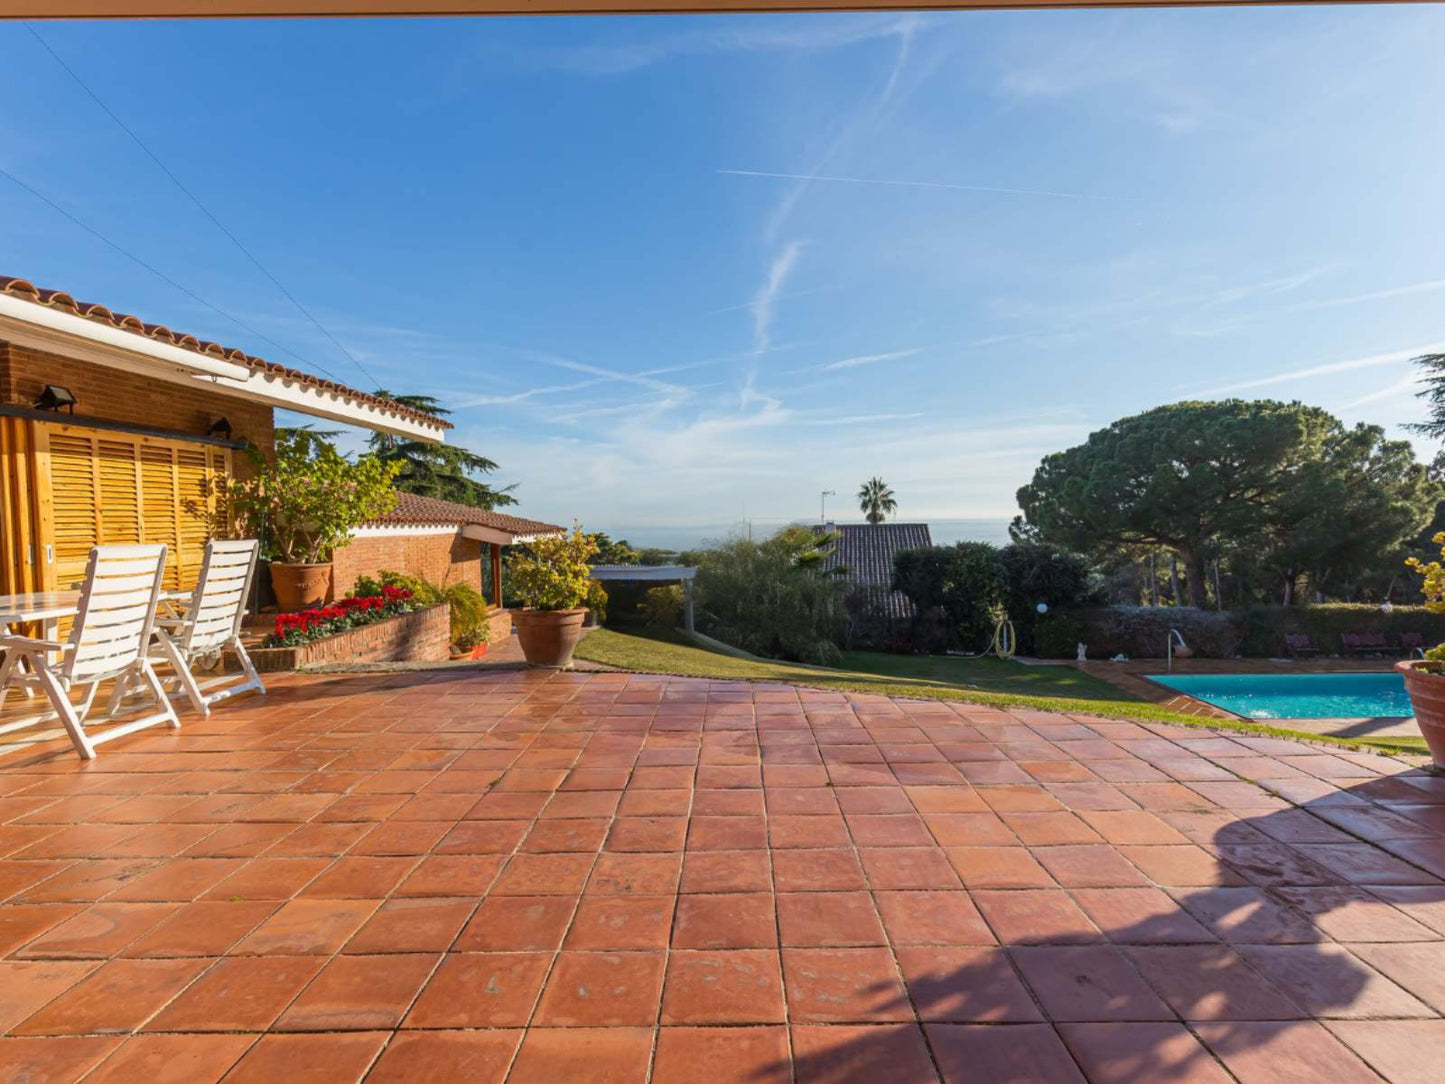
876	500
437	470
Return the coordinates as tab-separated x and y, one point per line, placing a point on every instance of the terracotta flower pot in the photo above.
548	636
300	586
474	652
1427	697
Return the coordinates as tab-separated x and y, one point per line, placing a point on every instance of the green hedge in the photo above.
1142	631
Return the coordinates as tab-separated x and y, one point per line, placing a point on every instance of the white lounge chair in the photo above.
108	640
211	625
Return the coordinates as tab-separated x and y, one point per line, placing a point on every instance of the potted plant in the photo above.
1425	678
303	503
470	625
551	578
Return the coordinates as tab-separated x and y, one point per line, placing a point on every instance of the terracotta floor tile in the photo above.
732	920
1024	1054
1418	966
337	1059
1089	866
240	993
1327	980
685	1055
483	837
203	928
621	922
98	932
544	875
1425	904
635	874
1131	827
1403	1051
726	871
582	803
1211	982
1125	1053
647	834
1140	916
933	918
1036	917
173	1059
597	1055
561	835
673	802
359	878
1247	916
317	840
602	989
1184	866
957	799
1090	983
304	927
907	867
52	1061
467	875
25	985
800	801
788	832
518	924
727	833
268	879
879	1053
1050	829
741	986
887	799
446	1057
1352	914
481	990
1302	1052
845	985
69	882
359	993
965	985
117	997
818	871
829	919
20	923
999	867
401	838
412	925
726	802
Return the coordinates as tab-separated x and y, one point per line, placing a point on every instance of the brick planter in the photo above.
420	636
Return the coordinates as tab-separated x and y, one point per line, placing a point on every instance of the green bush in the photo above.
662	606
467	609
773	598
1263	628
597	601
957	590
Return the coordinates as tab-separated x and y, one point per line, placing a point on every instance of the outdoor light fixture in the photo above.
1388	607
220	428
1042	607
53	397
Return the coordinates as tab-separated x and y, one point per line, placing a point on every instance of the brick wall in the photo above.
442	558
415	637
117	396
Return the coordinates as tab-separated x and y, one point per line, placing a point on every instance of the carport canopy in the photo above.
683	574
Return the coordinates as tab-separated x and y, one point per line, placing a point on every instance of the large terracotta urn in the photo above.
300	586
548	636
1425	682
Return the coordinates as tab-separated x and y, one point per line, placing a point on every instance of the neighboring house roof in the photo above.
865	551
413	509
58	299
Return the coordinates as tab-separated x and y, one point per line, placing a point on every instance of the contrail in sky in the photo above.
921	184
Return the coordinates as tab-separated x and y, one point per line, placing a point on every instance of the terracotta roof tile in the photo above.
411	508
59	299
866	550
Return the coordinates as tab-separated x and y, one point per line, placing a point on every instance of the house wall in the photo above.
117	396
440	555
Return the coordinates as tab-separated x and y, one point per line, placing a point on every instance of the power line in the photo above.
201	206
159	273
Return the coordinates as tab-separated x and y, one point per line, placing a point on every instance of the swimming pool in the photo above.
1297	696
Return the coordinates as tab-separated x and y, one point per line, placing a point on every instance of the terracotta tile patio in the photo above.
486	876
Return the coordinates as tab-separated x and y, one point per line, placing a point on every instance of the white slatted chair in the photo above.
108	640
211	625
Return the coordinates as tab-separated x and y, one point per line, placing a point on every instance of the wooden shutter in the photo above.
113	488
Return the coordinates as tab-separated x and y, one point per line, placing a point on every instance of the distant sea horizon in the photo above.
697	536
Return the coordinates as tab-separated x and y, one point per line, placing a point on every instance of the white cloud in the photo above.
810	177
866	359
1372	361
767	295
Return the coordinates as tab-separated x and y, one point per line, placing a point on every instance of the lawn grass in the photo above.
988	682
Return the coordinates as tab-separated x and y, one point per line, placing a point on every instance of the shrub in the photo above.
964	584
662	606
467	609
553	573
1036	572
773	598
305	500
1141	632
1263	628
597	601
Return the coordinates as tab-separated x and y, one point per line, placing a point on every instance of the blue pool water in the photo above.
1297	696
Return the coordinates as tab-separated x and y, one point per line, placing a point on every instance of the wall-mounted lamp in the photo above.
53	397
220	428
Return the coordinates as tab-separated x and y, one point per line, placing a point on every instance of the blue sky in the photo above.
685	270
